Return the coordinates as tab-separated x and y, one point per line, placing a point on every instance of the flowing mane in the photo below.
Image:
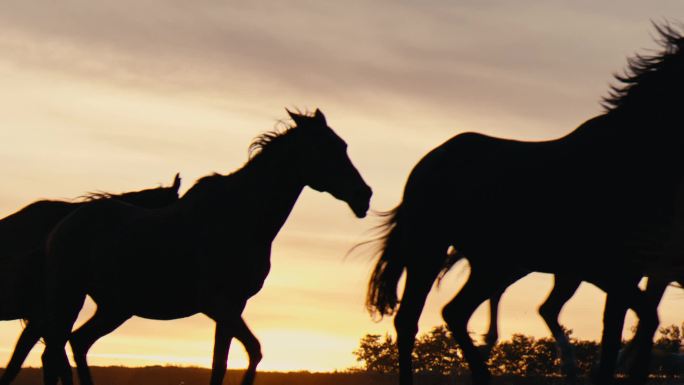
100	195
96	196
649	78
262	145
270	138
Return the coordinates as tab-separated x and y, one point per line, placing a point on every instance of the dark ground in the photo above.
169	375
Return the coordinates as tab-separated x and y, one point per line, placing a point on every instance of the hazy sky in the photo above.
120	96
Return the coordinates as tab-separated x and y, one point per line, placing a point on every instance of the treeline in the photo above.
435	353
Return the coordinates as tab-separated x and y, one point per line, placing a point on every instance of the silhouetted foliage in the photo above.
435	353
378	356
525	356
667	359
586	354
670	339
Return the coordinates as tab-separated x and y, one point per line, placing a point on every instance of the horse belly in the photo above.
152	302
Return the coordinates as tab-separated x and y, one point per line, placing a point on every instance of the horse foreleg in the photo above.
564	287
619	293
418	284
100	324
253	348
28	338
492	335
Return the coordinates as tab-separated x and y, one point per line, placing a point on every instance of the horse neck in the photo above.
256	199
275	185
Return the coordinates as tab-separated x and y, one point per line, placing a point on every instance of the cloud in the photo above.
468	57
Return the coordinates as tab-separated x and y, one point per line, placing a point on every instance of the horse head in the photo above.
324	164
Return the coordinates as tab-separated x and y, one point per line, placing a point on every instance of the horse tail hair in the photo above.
381	298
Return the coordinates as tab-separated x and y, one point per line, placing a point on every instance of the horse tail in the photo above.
381	298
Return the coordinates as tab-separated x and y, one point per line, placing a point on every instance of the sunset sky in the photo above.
119	96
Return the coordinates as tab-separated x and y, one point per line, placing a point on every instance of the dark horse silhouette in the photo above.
583	205
207	253
564	288
668	267
22	236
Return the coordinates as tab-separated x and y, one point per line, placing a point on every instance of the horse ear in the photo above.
176	182
318	115
298	119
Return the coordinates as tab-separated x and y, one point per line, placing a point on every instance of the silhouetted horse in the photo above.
669	268
22	238
583	205
208	253
564	288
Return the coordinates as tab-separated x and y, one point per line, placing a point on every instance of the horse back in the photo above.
26	230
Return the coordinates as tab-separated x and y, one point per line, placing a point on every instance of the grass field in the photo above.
169	375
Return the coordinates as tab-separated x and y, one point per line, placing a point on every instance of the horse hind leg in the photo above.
563	289
63	311
419	280
479	287
28	338
100	324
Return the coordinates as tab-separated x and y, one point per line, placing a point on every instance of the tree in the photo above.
525	356
670	339
378	356
666	359
436	352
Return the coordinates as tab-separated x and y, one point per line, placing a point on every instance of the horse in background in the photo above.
583	205
207	253
22	257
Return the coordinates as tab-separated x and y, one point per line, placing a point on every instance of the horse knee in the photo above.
78	345
255	354
548	312
453	316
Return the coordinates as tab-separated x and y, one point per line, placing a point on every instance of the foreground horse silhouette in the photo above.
208	253
583	205
22	236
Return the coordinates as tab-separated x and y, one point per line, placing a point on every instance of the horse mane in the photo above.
282	132
100	195
260	146
647	75
96	196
